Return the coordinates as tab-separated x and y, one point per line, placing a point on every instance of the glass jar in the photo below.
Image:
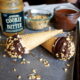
11	16
65	18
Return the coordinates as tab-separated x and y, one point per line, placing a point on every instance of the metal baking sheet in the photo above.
56	71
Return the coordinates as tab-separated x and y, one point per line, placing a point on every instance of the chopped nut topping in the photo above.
63	50
62	55
64	44
14	47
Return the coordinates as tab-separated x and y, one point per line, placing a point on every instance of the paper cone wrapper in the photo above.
30	41
49	44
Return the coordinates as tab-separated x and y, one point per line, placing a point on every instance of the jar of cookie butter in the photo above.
11	17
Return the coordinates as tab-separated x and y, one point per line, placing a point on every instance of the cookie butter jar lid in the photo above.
10	5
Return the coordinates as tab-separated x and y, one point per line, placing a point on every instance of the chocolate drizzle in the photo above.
13	47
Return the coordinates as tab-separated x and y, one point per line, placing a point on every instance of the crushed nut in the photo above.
34	77
38	77
47	65
31	77
68	65
28	62
45	62
4	55
34	71
41	59
64	44
19	77
65	69
14	69
24	61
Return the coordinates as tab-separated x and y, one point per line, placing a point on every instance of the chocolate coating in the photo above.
64	48
13	46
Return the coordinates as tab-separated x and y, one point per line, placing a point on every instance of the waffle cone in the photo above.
49	44
30	41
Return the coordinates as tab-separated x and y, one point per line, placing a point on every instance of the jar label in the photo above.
12	22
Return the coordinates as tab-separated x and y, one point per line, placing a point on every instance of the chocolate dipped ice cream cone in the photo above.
62	48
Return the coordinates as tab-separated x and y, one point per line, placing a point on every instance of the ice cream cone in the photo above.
49	44
30	41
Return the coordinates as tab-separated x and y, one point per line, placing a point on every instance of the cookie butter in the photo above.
65	19
11	16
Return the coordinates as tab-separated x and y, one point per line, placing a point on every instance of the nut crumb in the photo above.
34	77
14	69
38	77
19	77
41	59
28	62
45	62
47	65
31	77
68	65
34	71
24	61
4	55
65	69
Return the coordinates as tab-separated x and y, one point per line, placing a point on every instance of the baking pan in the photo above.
76	73
58	70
